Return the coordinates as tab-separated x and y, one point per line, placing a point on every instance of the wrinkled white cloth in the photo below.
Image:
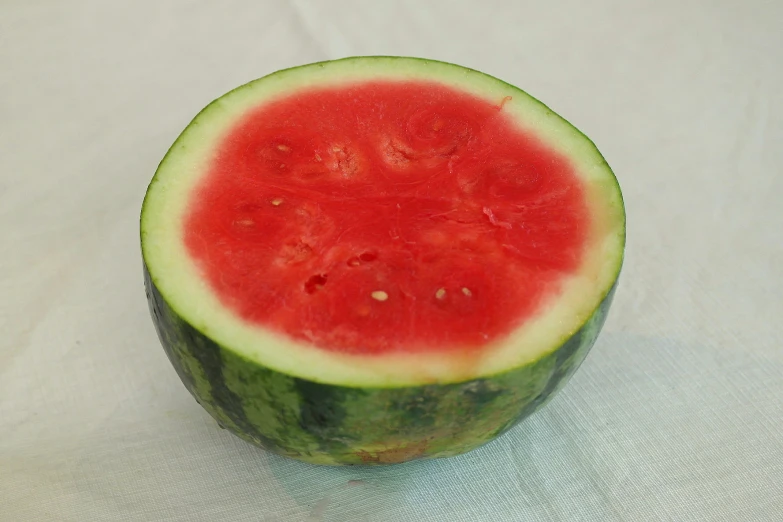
677	413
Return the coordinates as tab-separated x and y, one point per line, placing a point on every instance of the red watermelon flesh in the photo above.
386	216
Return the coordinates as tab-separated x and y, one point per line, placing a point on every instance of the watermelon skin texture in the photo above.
337	425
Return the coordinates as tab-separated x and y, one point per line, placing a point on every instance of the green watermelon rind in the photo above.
338	425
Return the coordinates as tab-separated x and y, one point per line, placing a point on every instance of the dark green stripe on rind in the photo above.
328	424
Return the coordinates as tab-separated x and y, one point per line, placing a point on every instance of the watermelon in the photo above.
379	259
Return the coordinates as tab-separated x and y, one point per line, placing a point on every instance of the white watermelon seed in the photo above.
380	295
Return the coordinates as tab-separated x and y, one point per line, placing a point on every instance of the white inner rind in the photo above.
179	281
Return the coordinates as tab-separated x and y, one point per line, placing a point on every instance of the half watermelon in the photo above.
378	259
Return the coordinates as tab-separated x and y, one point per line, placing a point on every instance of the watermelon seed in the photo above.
317	157
467	291
315	283
282	165
441	293
277	201
283	148
380	295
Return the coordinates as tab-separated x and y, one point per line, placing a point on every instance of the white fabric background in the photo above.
677	414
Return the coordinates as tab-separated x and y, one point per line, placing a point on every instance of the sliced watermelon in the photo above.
378	259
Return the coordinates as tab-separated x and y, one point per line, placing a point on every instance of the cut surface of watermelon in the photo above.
449	212
377	259
386	217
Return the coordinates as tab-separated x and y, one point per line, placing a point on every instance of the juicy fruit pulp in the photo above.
386	216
